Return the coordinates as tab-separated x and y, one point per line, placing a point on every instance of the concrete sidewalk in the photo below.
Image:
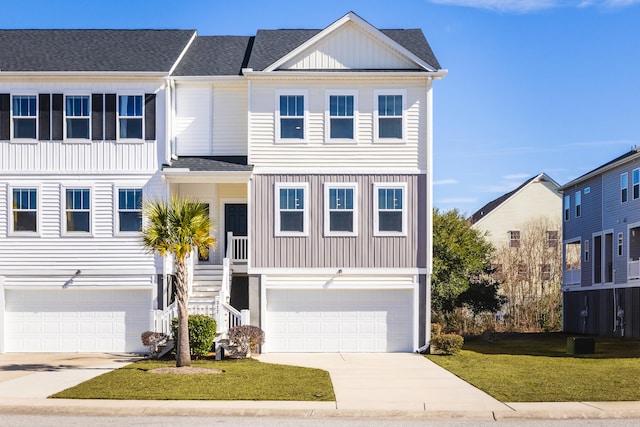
366	385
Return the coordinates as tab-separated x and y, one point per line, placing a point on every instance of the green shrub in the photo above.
202	332
245	339
448	344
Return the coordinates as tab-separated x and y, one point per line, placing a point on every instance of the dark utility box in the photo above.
581	345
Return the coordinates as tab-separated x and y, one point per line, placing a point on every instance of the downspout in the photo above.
429	189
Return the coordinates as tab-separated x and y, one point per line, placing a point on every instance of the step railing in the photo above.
237	248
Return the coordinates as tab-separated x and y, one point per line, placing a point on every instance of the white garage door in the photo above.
332	320
76	320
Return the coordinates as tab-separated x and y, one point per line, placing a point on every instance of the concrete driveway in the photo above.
38	375
392	382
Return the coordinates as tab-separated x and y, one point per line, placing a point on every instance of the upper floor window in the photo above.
291	211
552	239
341	120
389	116
390	213
291	117
620	242
77	116
636	183
340	211
578	204
24	116
567	207
624	187
545	272
586	251
25	209
514	239
78	210
130	116
129	209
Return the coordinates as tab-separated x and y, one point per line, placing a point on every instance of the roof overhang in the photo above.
187	176
601	170
330	74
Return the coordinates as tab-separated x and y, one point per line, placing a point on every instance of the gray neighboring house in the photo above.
601	235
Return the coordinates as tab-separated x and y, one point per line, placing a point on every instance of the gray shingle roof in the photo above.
215	56
91	50
211	164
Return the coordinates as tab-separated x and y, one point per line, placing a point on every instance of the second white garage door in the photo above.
76	320
335	320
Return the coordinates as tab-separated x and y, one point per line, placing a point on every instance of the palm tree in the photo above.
178	227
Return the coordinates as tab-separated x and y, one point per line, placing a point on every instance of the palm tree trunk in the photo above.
183	353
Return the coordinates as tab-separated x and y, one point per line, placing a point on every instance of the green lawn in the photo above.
537	368
246	379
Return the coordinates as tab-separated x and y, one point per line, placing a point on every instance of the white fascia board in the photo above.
331	171
212	79
341	75
184	51
351	17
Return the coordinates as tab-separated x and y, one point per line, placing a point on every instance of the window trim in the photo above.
586	250
305	209
327	116
620	244
116	208
327	212
513	242
63	210
624	187
66	138
119	116
10	226
305	117
376	115
578	204
635	178
35	118
567	208
376	210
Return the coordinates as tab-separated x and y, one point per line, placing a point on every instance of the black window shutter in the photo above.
5	116
44	117
149	116
97	113
110	117
57	117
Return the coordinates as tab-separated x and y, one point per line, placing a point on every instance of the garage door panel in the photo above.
339	320
76	320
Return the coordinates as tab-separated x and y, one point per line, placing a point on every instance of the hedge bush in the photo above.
448	344
202	332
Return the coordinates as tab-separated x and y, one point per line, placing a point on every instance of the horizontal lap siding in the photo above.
317	251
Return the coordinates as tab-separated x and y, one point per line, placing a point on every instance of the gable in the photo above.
350	47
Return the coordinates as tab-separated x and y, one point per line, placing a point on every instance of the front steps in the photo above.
207	281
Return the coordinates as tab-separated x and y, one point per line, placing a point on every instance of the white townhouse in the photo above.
313	151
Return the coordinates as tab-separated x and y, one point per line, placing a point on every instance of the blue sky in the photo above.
534	85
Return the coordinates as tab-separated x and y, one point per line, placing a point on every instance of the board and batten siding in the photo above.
211	119
316	152
317	251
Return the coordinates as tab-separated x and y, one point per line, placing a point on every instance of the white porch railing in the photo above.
237	248
572	277
634	270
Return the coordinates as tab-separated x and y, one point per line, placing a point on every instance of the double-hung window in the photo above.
514	238
552	239
77	113
578	204
25	210
340	209
341	110
292	213
78	210
636	184
624	187
24	116
129	209
130	115
390	210
567	207
389	116
291	112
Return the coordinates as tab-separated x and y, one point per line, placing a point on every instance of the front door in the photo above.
235	220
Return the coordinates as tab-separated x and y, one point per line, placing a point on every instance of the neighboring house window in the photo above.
586	251
514	239
78	210
291	117
624	187
130	116
552	239
636	183
340	211
620	242
24	116
25	209
578	204
77	116
341	118
389	116
567	207
390	212
129	209
545	272
291	216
